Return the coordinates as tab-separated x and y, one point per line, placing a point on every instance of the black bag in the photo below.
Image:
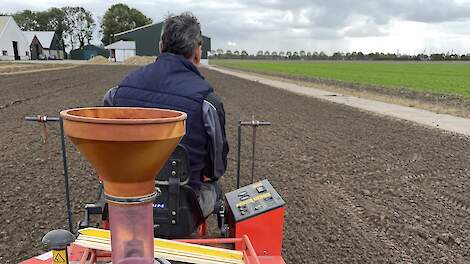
176	210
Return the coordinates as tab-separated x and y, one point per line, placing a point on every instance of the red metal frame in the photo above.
90	256
265	232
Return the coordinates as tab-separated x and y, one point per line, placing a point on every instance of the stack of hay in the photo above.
99	60
140	60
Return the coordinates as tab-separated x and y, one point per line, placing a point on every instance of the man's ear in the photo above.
198	54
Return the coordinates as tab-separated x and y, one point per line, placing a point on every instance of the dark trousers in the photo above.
209	194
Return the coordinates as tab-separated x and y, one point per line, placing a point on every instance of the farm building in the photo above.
87	52
13	43
121	50
44	45
147	39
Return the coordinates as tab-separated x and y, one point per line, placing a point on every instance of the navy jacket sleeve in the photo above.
214	123
108	99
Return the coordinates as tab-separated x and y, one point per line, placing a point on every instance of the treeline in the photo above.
349	56
75	26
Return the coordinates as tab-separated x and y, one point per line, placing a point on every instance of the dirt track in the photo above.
359	188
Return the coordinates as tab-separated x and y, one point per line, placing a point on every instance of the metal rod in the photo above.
254	124
66	175
253	141
42	119
238	152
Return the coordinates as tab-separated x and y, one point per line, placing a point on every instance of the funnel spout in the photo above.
128	147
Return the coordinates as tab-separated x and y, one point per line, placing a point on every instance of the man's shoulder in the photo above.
138	76
213	99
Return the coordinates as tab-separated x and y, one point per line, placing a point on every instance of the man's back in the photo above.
175	83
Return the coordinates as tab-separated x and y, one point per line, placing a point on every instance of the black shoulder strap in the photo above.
174	188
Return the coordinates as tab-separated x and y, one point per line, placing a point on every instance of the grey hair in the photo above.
181	34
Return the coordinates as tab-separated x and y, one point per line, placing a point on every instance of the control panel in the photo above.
253	200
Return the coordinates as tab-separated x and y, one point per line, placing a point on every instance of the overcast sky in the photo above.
409	26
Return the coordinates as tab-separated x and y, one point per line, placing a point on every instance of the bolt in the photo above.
173	221
173	163
173	173
173	213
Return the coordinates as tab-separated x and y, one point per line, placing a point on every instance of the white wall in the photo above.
122	55
13	33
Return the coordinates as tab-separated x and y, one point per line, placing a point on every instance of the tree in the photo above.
438	56
259	53
236	53
281	53
119	18
220	52
80	25
52	19
302	53
274	54
244	53
289	53
228	52
266	53
337	56
26	20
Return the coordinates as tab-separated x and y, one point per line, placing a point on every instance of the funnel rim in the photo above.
65	114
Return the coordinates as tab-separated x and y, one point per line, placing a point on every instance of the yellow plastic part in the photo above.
173	245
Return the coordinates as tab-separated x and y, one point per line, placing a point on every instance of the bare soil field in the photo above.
7	68
359	188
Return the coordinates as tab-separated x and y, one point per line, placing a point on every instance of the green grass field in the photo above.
443	78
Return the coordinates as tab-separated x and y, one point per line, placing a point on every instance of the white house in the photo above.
13	43
121	50
44	45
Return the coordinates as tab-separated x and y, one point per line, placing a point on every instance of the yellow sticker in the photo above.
59	256
254	199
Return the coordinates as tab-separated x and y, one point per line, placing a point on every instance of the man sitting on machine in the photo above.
173	81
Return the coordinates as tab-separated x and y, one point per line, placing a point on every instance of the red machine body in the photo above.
264	231
255	220
257	211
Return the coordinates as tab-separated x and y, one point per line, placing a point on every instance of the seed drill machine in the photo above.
149	214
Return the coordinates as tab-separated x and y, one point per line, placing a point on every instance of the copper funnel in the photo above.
127	146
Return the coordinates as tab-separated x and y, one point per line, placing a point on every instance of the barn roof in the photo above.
122	45
45	37
134	29
139	28
3	23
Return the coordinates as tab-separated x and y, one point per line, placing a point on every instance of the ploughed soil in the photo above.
359	188
7	68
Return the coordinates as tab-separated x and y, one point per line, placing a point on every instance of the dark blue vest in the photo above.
172	82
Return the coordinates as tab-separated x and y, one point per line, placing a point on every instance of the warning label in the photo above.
59	256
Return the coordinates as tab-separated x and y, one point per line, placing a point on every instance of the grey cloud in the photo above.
289	23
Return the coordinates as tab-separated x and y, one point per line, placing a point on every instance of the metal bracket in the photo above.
254	124
45	119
